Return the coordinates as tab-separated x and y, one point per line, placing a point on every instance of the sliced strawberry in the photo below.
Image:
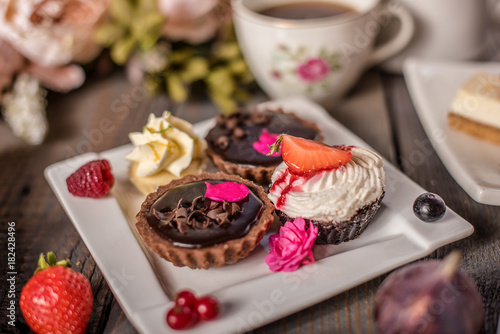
305	156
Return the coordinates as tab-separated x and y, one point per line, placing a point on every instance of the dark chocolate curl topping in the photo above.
201	214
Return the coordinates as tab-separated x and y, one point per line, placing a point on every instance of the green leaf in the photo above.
180	56
52	261
108	33
154	21
175	88
159	131
225	103
238	67
242	95
42	264
228	51
196	68
122	11
51	258
221	80
275	148
122	49
147	25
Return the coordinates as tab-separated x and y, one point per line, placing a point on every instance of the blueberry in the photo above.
429	207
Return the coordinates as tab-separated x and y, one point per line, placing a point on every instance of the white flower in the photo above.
24	109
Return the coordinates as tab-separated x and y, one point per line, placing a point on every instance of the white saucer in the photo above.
473	163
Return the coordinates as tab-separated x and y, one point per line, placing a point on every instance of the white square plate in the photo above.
251	295
473	163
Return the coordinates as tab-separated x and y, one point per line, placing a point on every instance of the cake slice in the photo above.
476	107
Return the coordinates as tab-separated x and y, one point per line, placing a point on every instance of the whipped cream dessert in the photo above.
166	143
334	195
166	149
479	99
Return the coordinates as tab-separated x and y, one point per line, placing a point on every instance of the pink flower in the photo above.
194	21
291	248
52	33
10	63
60	78
265	140
313	70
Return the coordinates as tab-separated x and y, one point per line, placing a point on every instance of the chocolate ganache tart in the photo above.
185	225
231	143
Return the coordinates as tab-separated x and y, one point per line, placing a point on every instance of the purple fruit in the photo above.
431	297
429	207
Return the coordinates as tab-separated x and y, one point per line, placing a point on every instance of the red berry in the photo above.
186	298
304	155
57	300
94	179
181	317
208	308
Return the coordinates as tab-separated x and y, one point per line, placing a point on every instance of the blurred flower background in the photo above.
167	45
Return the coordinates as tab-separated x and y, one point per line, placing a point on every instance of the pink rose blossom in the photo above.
10	63
291	248
52	33
226	191
313	70
194	21
265	140
60	78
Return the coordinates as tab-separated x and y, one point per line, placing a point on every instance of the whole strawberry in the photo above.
94	179
56	299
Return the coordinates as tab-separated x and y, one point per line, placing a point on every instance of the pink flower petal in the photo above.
265	140
61	79
291	248
226	191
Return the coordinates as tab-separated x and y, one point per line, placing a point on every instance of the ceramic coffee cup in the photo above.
445	30
320	58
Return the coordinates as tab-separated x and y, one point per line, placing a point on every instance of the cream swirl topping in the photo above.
331	195
166	143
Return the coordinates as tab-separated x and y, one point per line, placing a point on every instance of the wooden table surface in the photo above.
389	123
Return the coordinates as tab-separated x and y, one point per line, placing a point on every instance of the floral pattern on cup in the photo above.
312	70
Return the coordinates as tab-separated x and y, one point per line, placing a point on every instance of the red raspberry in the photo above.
94	179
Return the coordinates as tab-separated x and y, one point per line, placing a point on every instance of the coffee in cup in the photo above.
317	49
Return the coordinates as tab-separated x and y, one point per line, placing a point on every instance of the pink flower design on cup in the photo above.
313	70
291	248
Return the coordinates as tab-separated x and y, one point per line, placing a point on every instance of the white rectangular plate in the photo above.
473	163
250	293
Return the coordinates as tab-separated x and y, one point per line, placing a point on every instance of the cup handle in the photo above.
398	41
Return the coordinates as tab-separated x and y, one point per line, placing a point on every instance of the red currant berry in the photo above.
208	308
186	298
181	317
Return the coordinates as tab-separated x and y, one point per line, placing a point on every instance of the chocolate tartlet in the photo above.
230	142
184	227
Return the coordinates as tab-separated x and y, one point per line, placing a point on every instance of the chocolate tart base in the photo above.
337	232
217	255
258	174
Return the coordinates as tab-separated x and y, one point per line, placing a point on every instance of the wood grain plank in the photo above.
480	251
